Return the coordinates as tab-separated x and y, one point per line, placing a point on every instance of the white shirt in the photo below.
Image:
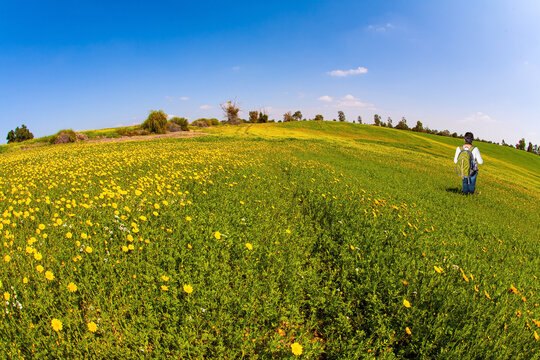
475	153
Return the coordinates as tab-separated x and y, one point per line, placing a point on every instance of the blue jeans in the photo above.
469	184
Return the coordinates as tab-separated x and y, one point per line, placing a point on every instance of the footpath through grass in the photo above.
349	241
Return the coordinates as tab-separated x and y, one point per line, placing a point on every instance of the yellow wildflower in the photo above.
249	246
406	303
88	249
6	296
408	331
217	235
39	268
296	349
165	278
72	287
49	275
56	324
7	258
92	326
188	288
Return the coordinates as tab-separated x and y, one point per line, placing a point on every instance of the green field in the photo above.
348	241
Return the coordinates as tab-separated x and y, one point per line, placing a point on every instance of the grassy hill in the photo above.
348	240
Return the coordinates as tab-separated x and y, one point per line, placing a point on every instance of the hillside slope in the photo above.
348	240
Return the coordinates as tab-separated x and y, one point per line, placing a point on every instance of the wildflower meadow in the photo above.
299	240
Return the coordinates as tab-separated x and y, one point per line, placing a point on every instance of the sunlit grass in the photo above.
269	240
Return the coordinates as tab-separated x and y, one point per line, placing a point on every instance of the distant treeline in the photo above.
157	122
419	127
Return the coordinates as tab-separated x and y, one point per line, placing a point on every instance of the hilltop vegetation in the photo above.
333	240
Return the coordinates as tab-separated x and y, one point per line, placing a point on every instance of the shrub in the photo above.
183	122
208	122
200	123
19	134
156	122
64	137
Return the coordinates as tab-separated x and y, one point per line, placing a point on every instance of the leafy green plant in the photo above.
180	121
156	122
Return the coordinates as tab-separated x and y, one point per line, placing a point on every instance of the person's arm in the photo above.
456	156
477	156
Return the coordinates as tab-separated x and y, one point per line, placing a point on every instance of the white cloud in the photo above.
478	117
184	98
204	107
170	116
381	28
342	73
351	101
325	98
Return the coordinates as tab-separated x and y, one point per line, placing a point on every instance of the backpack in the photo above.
466	165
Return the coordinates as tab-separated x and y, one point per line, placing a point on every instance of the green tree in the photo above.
359	119
341	116
419	127
530	147
389	122
263	118
318	117
19	134
156	122
10	136
521	144
288	117
402	125
297	115
377	120
253	115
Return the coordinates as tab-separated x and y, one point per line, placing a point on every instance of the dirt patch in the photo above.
179	134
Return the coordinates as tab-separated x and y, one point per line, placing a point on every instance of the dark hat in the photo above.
469	137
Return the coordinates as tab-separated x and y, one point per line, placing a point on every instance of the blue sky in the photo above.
456	65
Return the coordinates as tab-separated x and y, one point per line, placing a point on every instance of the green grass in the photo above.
309	233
